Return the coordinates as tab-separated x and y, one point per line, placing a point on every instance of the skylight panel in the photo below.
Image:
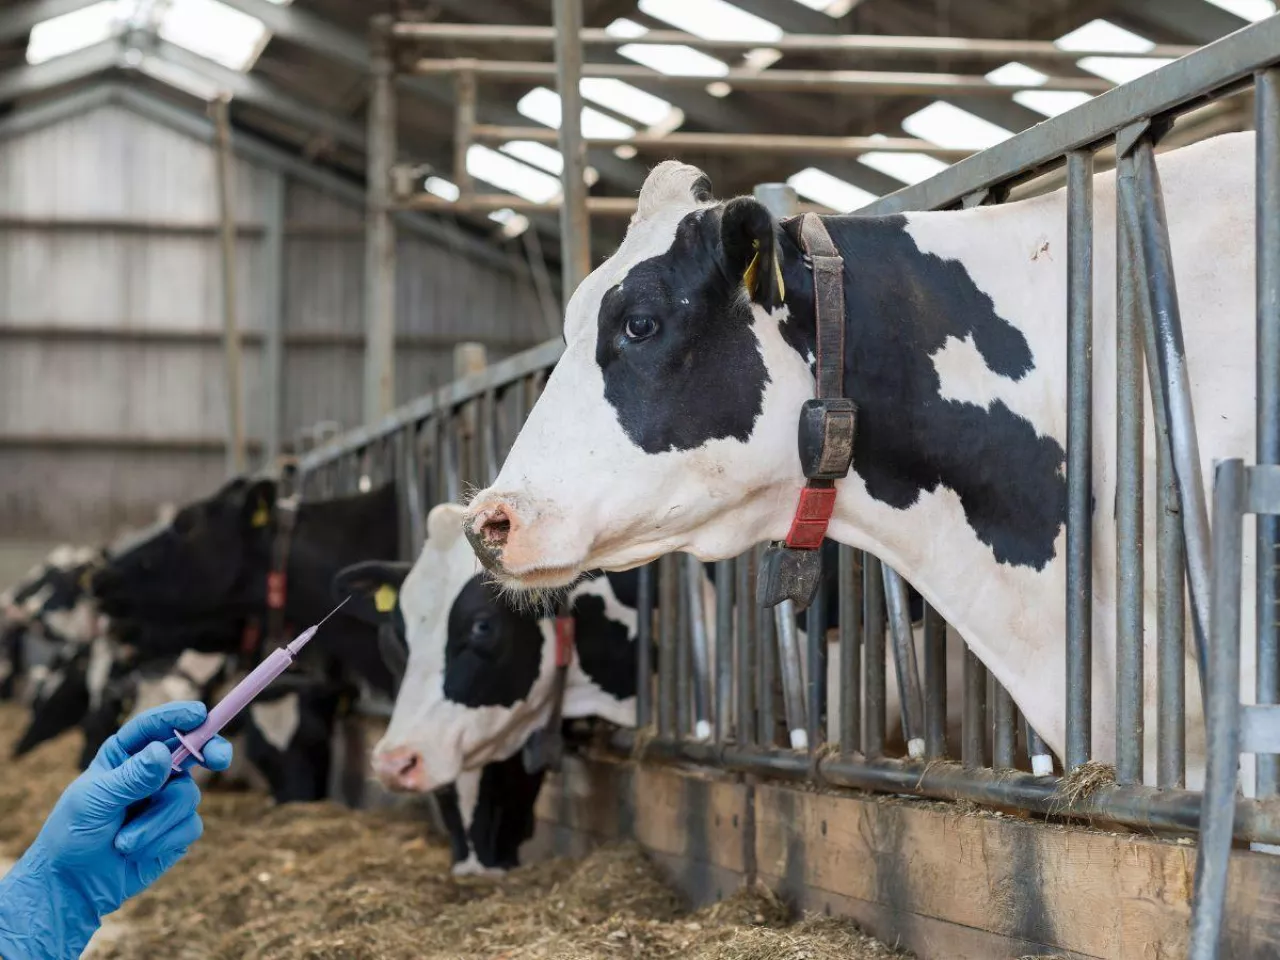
622	27
511	175
1017	75
537	154
948	126
513	224
907	167
74	31
543	105
1105	35
443	188
832	8
627	100
821	187
1050	103
713	19
188	81
215	31
676	60
1251	10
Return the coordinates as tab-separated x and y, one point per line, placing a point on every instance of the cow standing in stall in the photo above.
670	421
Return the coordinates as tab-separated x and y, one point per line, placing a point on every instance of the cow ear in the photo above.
444	525
259	503
373	586
748	239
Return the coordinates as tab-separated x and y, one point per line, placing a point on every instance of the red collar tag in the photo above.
275	590
564	641
813	514
249	638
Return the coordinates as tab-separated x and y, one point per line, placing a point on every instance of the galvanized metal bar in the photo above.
1037	752
747	632
273	312
489	436
380	242
668	623
724	649
644	645
575	225
684	648
1267	125
1004	737
873	623
935	684
1145	808
1153	236
767	675
1222	719
816	637
760	143
1129	508
852	82
849	590
973	724
1079	599
415	496
452	485
464	121
695	577
237	456
863	45
910	698
793	691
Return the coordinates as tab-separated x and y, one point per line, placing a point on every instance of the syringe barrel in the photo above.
236	700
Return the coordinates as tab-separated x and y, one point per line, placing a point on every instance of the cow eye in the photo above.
640	328
481	629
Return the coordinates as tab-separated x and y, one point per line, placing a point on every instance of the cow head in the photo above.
669	423
373	587
60	698
482	662
195	564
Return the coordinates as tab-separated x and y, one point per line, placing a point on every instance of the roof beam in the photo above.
16	22
1184	20
29	79
261	94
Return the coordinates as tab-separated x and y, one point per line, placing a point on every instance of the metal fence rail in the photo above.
744	708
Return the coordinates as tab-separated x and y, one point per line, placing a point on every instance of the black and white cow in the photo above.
670	421
210	564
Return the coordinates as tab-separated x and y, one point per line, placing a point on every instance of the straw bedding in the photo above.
319	882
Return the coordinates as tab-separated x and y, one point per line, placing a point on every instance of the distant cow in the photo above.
670	421
211	563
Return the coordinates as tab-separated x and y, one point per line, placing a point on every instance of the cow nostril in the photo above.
409	766
496	528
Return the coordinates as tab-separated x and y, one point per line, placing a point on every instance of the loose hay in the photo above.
319	882
1084	781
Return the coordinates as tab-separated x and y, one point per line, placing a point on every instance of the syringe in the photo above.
242	694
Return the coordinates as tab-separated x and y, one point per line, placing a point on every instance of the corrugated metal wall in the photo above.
112	392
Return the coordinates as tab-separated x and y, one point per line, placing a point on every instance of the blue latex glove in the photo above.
87	859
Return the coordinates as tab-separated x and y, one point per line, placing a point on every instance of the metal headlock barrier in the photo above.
760	706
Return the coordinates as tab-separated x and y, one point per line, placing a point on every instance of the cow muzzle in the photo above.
489	527
401	769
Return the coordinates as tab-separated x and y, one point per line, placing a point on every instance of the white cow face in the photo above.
478	674
669	424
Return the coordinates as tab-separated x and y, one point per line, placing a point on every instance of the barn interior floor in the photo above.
323	882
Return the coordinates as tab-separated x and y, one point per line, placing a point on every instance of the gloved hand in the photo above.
119	826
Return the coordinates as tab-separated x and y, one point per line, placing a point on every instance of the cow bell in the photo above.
788	574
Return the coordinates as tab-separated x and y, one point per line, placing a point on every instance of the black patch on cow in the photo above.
901	307
604	647
493	654
700	376
57	710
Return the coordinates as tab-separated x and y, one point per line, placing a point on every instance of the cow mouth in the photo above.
538	578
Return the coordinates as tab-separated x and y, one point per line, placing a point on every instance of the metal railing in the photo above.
745	709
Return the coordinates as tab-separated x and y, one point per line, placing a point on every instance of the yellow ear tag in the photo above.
782	287
261	516
84	579
749	275
384	600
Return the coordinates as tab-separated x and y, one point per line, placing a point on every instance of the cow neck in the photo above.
792	568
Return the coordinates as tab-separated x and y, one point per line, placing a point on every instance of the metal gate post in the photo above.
910	699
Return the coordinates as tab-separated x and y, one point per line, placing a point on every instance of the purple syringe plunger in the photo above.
191	744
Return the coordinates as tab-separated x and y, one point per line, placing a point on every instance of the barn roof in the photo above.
297	73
